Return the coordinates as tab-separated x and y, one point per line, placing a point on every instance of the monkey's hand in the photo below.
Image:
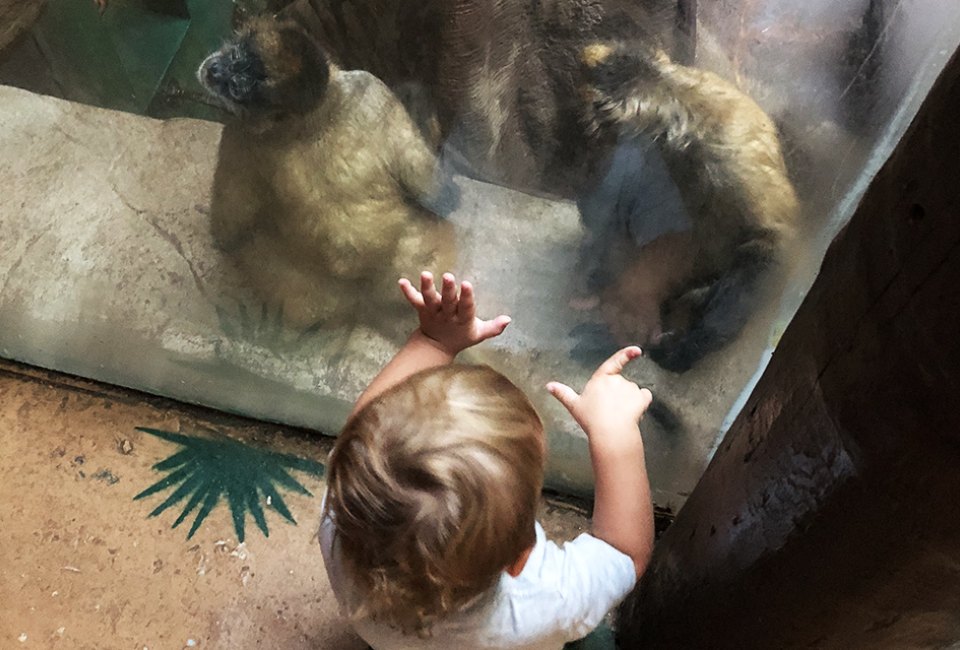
101	6
449	317
445	199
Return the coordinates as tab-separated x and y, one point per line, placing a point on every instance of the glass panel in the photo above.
606	173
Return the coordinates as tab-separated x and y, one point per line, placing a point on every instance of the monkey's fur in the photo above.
318	188
723	153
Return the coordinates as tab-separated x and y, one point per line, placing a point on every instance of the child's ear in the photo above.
515	568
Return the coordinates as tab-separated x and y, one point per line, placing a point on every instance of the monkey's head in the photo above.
270	67
613	67
615	75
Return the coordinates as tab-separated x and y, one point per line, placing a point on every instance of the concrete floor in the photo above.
84	566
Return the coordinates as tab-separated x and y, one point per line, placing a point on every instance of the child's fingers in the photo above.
431	299
564	394
448	294
413	296
614	365
467	309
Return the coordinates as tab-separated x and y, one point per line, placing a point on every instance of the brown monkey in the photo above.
321	182
722	153
501	75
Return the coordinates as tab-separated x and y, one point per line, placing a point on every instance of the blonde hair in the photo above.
433	489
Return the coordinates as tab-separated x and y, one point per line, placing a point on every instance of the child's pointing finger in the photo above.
615	364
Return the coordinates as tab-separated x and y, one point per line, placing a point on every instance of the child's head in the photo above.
434	488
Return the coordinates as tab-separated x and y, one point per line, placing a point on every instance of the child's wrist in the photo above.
619	440
421	337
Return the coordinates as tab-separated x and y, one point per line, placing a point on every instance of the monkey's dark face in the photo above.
236	75
270	67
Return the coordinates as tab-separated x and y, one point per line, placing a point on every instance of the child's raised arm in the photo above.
448	325
609	411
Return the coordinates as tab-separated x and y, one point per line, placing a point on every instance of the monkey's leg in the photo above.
718	311
304	296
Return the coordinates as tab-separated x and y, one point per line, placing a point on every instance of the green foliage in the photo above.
206	469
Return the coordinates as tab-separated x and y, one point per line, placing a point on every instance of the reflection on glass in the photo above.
651	172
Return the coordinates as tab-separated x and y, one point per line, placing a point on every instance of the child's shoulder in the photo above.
567	587
555	563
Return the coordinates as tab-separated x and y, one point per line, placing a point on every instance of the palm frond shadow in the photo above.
208	469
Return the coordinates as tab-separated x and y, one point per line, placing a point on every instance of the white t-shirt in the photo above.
561	595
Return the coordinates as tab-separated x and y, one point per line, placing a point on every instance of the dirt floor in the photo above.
84	565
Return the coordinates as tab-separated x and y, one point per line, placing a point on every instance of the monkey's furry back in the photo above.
320	211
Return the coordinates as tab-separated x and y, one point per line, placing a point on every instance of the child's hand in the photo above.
447	318
609	410
610	407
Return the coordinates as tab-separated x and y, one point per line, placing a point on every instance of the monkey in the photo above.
506	80
723	154
501	75
324	190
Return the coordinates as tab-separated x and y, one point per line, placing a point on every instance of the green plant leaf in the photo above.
206	469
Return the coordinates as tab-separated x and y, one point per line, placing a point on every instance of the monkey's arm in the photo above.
421	175
237	194
721	309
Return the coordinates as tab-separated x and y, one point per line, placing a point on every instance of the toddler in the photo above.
429	530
